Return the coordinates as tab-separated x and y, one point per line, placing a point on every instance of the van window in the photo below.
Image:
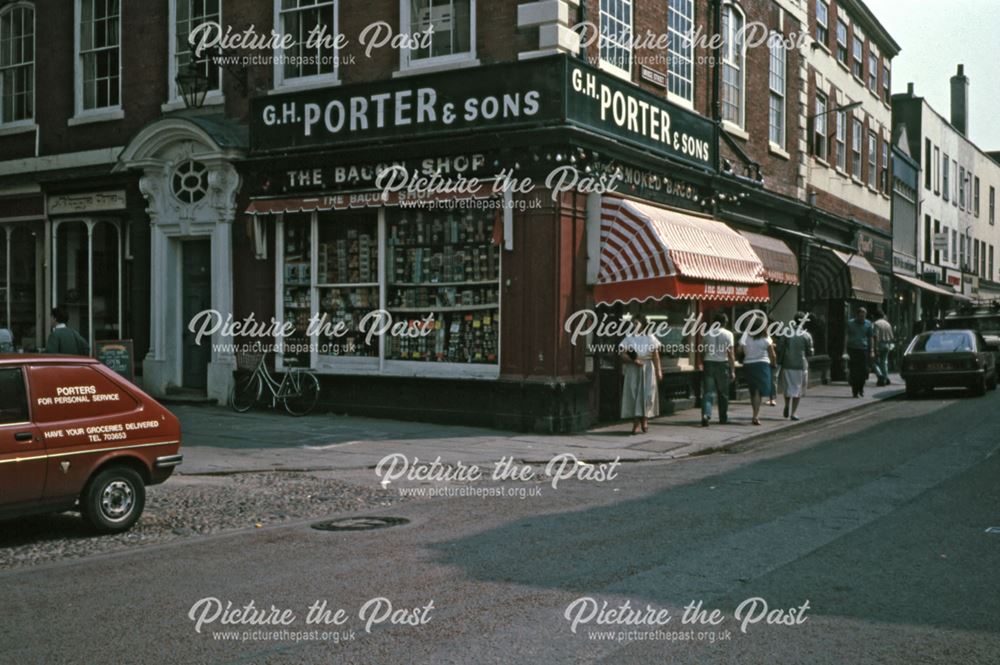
69	392
13	399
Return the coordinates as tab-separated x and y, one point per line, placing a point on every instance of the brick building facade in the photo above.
224	207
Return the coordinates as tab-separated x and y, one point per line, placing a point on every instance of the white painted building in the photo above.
958	238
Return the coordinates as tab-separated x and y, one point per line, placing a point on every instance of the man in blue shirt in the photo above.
860	350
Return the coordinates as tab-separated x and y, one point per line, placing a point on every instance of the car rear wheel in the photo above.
113	499
979	387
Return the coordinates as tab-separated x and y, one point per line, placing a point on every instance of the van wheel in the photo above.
113	500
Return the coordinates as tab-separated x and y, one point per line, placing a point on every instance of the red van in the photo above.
73	434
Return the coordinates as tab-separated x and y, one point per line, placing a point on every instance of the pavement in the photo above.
219	441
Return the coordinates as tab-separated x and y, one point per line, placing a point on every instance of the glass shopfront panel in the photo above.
23	285
429	277
88	276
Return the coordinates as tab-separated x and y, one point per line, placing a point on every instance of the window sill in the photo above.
179	105
821	161
614	70
843	65
857	181
777	151
430	67
99	116
296	85
821	45
19	127
841	172
735	130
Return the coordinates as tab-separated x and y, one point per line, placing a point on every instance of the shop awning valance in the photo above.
780	263
835	275
926	286
345	201
648	252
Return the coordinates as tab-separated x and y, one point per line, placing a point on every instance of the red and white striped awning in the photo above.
649	252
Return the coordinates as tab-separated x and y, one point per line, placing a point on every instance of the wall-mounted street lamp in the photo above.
193	81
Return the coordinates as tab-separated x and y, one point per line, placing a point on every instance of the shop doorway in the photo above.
197	296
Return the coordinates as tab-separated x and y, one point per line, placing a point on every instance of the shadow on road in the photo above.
849	525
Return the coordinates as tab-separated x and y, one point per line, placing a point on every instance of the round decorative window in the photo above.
190	182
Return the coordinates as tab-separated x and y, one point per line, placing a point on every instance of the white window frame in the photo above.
937	170
777	58
872	160
739	64
841	139
857	148
607	65
858	57
883	183
408	63
680	48
975	194
846	43
23	122
873	73
302	82
993	205
886	82
821	127
102	112
174	100
824	24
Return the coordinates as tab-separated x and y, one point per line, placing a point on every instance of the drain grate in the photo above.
360	523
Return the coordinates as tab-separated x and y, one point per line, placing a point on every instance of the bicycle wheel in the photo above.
245	393
303	395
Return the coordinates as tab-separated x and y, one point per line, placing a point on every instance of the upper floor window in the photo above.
733	57
886	87
884	178
946	177
975	196
820	122
927	164
856	148
873	73
17	63
776	97
859	63
186	15
956	183
307	61
842	41
936	167
99	50
872	159
680	26
446	29
822	22
616	35
993	205
842	141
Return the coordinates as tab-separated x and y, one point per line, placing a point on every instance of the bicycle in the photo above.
298	389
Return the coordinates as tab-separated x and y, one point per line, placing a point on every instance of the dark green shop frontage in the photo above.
482	280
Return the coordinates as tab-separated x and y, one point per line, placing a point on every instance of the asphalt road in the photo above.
877	519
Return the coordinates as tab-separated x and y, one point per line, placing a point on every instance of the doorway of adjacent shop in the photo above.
197	296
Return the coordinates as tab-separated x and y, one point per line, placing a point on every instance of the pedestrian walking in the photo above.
860	350
640	354
718	368
758	361
794	361
885	342
64	339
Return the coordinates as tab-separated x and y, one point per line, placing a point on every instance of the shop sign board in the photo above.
69	204
546	92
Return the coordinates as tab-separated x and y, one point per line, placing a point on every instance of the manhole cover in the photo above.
360	523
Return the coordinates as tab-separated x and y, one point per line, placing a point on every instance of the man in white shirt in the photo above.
718	366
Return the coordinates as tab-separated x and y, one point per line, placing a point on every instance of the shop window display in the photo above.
444	264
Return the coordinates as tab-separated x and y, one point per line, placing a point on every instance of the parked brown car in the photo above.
949	359
73	434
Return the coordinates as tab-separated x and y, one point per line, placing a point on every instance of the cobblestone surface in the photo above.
188	507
